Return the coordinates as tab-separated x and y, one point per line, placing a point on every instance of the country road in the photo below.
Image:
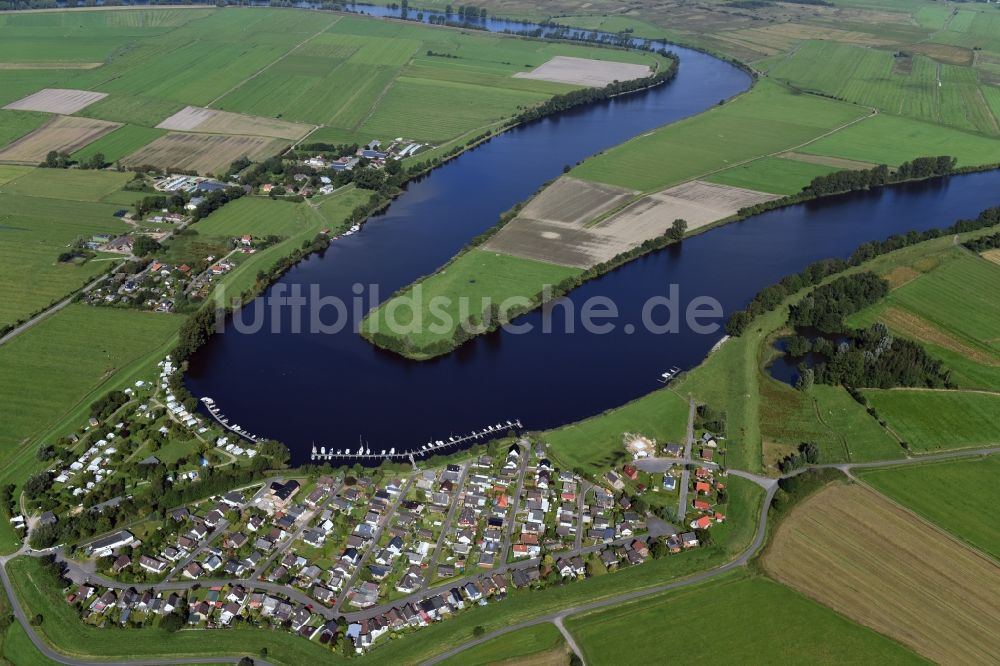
770	486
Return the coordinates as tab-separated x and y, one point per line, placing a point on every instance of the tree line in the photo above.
770	297
864	179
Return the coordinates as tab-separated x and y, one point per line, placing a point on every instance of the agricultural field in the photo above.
597	443
142	111
540	645
73	184
121	142
893	140
915	86
203	153
15	124
752	617
195	119
429	311
572	239
62	133
950	494
34	232
768	119
66	356
267	73
931	421
585	72
876	563
56	100
942	297
777	175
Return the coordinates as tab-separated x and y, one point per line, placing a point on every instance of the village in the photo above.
158	277
344	557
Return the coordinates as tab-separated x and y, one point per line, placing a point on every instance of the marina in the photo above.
364	452
235	428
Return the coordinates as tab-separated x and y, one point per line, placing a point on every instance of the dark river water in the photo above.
336	389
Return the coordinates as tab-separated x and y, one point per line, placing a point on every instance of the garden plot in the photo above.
585	71
198	119
570	241
203	153
63	133
57	100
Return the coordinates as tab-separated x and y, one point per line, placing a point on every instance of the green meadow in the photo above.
931	421
521	644
957	495
768	119
737	618
123	141
888	139
777	175
463	288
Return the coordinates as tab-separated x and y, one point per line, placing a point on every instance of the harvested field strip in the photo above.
874	562
585	245
992	255
774	175
197	119
951	494
56	100
62	133
204	153
48	65
913	326
838	162
574	201
584	71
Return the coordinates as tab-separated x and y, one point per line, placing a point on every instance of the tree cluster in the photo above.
807	454
863	179
828	305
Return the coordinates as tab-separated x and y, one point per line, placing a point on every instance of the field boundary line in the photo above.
275	61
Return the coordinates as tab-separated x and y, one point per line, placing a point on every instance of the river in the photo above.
337	390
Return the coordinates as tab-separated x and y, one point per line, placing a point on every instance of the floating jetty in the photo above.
669	375
366	453
213	409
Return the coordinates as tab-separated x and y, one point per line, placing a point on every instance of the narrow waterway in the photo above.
337	390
